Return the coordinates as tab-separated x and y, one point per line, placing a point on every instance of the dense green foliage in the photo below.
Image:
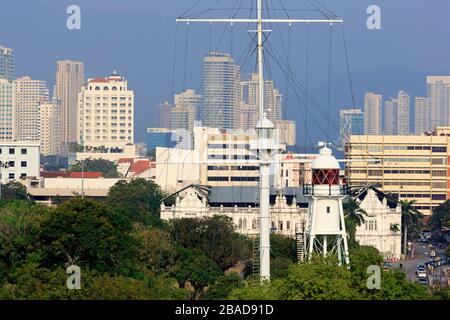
108	168
126	252
323	279
14	191
138	199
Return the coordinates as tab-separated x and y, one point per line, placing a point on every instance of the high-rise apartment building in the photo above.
390	116
163	115
351	122
372	113
439	97
414	167
69	79
250	102
29	94
403	110
221	86
106	113
7	69
185	111
7	110
49	131
422	115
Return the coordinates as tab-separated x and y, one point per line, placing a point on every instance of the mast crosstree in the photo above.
264	165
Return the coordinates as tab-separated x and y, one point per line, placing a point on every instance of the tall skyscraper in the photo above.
403	110
439	97
29	95
250	102
163	115
185	111
351	122
7	69
390	116
372	113
7	110
422	115
106	113
49	131
221	85
69	79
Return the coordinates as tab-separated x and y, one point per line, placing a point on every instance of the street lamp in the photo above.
2	165
81	162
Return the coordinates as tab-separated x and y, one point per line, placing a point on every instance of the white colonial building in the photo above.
382	226
194	202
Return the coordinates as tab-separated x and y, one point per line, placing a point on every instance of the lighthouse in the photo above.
325	232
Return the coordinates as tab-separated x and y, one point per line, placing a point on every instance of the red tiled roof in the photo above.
140	166
99	80
126	160
86	175
65	174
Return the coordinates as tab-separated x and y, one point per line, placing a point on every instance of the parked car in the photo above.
387	265
420	271
423	281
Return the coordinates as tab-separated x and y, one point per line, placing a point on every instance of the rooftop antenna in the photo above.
264	125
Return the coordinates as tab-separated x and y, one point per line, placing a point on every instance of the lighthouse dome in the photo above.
325	160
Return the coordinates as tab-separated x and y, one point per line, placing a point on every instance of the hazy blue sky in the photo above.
137	38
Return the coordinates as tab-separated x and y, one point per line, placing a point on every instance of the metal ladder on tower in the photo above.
256	255
300	241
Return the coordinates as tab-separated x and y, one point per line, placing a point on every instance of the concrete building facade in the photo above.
29	95
69	79
7	111
7	66
106	113
22	158
422	115
372	113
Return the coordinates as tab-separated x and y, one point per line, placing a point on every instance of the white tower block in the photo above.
325	232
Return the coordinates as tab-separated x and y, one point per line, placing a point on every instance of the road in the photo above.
421	255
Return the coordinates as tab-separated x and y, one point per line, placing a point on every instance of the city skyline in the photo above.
411	69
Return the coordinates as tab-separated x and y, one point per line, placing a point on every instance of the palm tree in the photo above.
354	216
395	227
354	212
408	215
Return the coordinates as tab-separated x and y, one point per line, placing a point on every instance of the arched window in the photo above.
114	88
97	88
245	224
254	226
240	223
105	88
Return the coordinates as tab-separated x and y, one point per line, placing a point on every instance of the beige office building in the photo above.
106	114
69	79
413	167
372	113
29	93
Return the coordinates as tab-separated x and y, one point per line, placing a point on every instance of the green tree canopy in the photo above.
14	191
195	267
156	252
89	234
139	199
108	168
215	236
223	286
